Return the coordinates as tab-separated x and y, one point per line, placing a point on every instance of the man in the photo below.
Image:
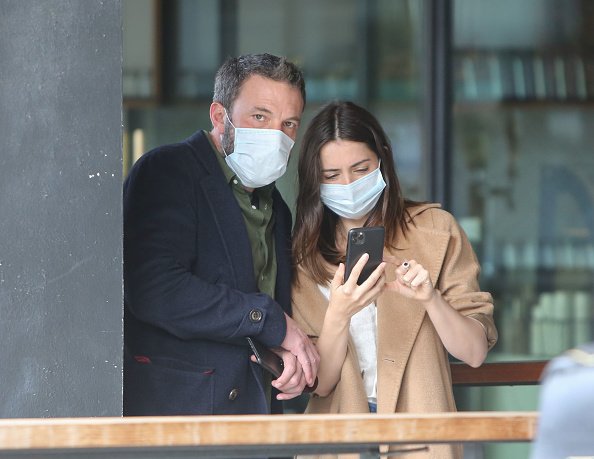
207	255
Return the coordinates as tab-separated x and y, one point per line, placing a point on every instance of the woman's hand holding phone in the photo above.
347	297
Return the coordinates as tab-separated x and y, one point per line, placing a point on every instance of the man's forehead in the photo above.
258	92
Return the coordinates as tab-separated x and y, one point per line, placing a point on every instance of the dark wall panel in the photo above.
60	208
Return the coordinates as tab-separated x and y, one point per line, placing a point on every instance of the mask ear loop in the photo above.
229	119
231	123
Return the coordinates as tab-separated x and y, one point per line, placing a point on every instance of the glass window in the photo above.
367	52
139	71
523	176
198	50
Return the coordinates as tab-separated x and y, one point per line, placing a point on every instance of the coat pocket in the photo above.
158	386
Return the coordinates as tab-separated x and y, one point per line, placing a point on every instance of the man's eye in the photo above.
259	117
291	124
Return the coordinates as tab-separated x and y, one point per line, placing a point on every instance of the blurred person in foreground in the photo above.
566	406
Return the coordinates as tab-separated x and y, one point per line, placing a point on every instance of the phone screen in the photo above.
368	240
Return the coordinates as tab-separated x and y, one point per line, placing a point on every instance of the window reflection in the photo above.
366	51
524	168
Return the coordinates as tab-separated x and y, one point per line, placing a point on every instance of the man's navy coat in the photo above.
191	296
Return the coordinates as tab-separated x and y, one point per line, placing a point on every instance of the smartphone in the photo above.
368	240
266	358
271	362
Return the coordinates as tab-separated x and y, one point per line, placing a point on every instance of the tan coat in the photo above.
413	369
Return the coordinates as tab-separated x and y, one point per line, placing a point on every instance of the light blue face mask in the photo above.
260	156
356	199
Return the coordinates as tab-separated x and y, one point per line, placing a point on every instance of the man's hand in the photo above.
292	380
298	344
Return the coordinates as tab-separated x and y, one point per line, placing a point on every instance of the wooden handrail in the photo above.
498	374
257	431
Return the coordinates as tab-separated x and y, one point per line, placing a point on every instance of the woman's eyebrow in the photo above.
358	163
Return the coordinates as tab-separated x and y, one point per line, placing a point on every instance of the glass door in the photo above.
522	175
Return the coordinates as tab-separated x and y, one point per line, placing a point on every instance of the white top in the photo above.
363	329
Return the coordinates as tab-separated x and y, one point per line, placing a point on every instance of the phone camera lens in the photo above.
358	238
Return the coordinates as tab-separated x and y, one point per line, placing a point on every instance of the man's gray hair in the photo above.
236	70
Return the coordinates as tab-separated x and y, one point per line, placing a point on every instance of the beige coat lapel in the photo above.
399	319
312	305
349	396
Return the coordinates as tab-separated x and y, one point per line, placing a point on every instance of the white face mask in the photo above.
260	156
356	199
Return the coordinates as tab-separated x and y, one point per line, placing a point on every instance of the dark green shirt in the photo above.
256	208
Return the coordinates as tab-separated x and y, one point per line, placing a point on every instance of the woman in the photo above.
383	344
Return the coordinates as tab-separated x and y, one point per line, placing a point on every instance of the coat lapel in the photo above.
226	213
282	247
312	304
230	225
349	395
399	318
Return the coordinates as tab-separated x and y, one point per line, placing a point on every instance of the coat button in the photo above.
233	394
255	315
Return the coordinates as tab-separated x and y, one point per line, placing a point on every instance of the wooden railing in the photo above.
498	374
287	435
253	435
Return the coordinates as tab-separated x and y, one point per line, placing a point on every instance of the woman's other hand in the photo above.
412	281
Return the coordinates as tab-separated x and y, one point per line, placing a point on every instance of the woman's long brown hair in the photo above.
314	234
